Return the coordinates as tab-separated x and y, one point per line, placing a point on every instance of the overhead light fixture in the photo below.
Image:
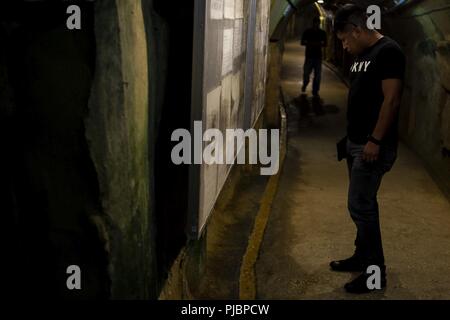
320	1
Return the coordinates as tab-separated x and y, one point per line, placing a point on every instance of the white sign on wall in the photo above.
229	9
238	25
225	32
209	173
239	9
217	9
227	61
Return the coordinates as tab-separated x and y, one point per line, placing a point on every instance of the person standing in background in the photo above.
314	39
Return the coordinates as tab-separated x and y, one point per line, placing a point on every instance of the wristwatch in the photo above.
373	140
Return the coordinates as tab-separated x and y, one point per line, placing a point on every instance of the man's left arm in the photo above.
392	91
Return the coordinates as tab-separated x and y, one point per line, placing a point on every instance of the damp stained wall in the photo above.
423	31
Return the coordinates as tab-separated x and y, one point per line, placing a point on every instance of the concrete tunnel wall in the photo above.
99	97
80	112
424	34
49	180
131	108
117	130
87	118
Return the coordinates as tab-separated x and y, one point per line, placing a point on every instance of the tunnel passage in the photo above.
171	181
421	28
49	187
310	223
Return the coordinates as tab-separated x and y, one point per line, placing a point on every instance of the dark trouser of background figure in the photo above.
365	180
310	65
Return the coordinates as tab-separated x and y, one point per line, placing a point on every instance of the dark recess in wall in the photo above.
48	183
171	181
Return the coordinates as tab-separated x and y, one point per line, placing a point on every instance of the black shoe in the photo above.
351	264
359	285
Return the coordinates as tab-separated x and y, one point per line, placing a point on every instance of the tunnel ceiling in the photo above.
283	9
280	9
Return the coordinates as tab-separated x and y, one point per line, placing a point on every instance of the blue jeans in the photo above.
365	180
310	65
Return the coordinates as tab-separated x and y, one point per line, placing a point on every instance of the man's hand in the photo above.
371	152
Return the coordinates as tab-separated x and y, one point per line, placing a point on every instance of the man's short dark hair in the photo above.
350	14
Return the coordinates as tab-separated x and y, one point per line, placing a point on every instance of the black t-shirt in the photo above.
383	60
314	35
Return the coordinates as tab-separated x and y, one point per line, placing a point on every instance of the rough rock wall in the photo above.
117	131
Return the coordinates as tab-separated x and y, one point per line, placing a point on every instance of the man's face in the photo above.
351	40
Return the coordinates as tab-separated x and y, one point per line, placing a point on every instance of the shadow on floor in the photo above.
313	106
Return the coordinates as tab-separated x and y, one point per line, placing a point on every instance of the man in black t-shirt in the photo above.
314	39
372	117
